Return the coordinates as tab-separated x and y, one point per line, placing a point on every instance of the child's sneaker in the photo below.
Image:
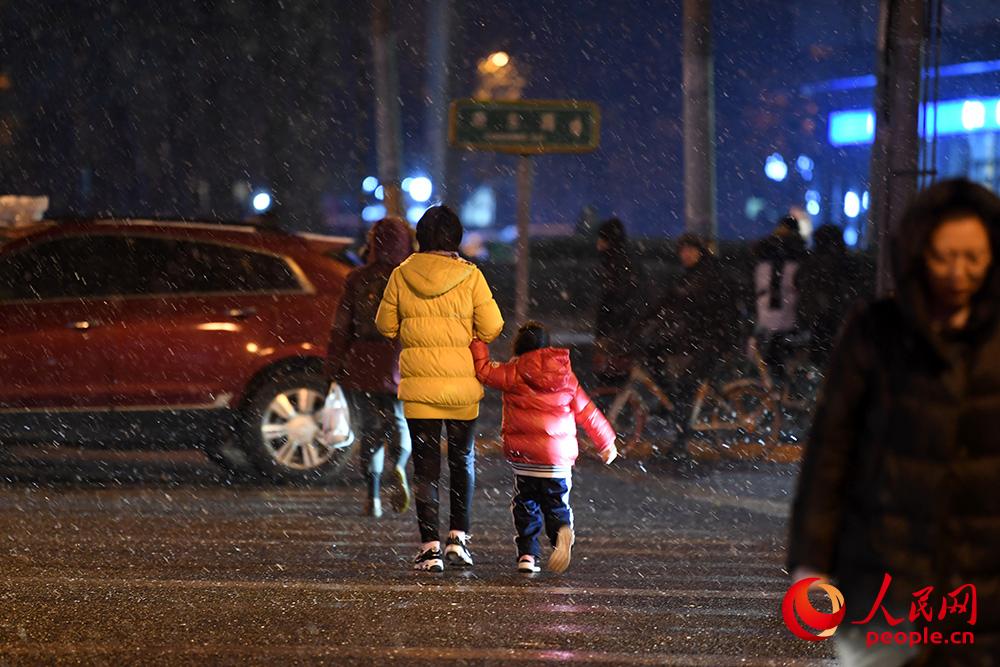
527	563
456	551
429	560
559	560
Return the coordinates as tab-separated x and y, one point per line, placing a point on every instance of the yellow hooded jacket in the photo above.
437	304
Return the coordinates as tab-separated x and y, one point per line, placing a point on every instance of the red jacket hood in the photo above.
547	369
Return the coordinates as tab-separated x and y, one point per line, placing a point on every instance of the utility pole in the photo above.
438	40
525	175
896	151
387	124
699	121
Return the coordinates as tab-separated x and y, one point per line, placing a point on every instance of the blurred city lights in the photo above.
261	202
775	167
373	213
414	213
421	189
852	204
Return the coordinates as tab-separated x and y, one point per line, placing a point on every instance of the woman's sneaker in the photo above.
456	551
528	564
559	560
429	560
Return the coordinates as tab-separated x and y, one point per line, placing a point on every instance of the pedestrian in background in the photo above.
366	365
828	288
778	260
622	287
435	303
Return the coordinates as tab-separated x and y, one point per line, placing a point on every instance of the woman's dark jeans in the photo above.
426	437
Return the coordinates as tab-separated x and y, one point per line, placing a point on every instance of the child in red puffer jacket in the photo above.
542	405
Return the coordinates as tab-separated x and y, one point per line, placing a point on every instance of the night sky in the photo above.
131	110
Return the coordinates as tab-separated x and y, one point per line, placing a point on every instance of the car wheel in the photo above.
281	430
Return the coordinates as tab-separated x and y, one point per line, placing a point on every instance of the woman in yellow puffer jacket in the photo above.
436	303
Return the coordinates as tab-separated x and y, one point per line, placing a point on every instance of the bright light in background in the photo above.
775	167
414	212
499	59
480	209
405	185
508	234
369	184
852	204
753	207
421	189
379	193
851	236
864	200
261	202
973	115
812	202
805	166
373	213
857	126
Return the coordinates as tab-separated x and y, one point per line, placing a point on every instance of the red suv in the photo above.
203	334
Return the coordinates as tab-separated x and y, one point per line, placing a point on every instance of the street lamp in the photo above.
499	78
499	59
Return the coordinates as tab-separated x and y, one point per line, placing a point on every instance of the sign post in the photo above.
524	128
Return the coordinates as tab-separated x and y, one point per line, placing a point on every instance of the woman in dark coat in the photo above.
367	365
901	474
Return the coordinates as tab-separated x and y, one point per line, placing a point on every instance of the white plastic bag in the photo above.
335	420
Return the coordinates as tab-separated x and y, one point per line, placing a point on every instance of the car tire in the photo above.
279	425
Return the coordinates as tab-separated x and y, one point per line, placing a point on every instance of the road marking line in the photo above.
516	655
442	588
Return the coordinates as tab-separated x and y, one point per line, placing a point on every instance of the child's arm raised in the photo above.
492	373
596	425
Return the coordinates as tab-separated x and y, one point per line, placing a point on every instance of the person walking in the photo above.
435	303
542	404
366	365
897	495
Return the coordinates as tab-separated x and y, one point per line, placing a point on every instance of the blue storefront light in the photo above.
852	127
775	167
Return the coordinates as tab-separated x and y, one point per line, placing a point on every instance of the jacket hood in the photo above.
547	369
433	275
389	242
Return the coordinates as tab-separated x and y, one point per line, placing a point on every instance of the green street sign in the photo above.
525	127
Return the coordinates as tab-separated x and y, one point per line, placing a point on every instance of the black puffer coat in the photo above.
902	468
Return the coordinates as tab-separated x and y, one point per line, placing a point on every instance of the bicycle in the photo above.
748	417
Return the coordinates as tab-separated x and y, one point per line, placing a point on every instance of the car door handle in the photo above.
241	313
82	325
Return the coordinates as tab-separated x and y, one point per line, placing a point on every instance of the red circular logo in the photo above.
796	605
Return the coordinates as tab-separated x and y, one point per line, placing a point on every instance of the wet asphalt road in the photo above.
154	558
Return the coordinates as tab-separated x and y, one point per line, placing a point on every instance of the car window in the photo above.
70	267
173	266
